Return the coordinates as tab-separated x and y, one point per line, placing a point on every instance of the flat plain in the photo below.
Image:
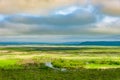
60	63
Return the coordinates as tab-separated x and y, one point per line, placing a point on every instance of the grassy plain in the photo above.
68	63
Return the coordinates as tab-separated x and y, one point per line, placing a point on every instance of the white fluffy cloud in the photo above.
108	25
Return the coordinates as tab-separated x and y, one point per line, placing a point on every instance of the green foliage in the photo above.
81	63
49	74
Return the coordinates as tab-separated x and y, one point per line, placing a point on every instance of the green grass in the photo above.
81	63
7	62
49	74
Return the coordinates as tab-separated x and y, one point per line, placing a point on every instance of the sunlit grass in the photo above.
53	54
87	63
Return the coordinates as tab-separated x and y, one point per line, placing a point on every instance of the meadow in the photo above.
60	63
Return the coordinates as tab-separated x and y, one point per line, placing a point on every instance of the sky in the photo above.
59	20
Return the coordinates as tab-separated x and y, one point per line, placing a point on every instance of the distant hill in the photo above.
102	43
87	43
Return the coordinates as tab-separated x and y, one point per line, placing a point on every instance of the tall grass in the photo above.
81	63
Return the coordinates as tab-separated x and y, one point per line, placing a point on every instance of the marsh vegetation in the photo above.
63	63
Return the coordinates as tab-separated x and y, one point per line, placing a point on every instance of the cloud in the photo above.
108	25
36	38
73	15
59	38
111	7
73	21
31	6
7	28
86	19
26	29
44	6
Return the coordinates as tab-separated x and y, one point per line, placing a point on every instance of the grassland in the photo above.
60	63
